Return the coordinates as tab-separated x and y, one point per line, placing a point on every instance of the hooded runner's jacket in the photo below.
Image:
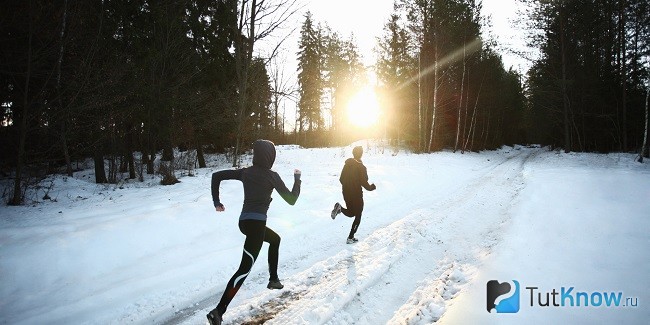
259	181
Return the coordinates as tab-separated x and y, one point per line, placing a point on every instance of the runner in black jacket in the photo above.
353	176
259	182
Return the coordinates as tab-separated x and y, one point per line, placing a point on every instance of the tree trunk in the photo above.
460	103
644	148
64	142
66	151
623	73
150	158
486	128
420	132
131	163
472	125
17	198
565	97
124	165
100	170
243	67
168	153
199	155
466	133
132	172
435	100
149	152
129	153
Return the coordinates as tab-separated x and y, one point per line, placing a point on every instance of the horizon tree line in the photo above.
109	79
106	79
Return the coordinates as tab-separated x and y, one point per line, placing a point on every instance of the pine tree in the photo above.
587	87
310	79
447	35
394	70
343	75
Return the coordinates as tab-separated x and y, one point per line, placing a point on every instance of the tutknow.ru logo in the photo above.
504	297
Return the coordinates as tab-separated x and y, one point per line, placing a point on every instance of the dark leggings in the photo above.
353	209
256	233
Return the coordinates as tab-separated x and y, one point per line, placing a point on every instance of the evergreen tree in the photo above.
310	79
395	67
587	87
344	74
453	62
260	97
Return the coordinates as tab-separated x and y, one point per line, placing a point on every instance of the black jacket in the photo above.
354	176
258	180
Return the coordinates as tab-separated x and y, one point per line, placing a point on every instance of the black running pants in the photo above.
353	209
256	233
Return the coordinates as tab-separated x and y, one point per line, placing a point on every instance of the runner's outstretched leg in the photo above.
254	231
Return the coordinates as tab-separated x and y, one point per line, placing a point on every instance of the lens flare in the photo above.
363	109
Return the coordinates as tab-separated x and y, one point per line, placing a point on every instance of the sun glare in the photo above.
363	108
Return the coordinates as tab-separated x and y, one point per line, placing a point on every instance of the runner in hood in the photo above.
258	181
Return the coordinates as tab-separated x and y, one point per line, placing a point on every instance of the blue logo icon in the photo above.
503	297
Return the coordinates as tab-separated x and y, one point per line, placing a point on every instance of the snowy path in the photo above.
418	262
438	227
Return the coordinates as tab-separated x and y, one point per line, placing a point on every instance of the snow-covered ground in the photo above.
438	227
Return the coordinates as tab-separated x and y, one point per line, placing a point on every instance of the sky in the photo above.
365	20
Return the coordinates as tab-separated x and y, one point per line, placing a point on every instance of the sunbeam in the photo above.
469	48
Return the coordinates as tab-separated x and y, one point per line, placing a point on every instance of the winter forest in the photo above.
499	154
127	82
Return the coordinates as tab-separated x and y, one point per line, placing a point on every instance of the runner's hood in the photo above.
263	153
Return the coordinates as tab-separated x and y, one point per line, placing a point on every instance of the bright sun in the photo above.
363	108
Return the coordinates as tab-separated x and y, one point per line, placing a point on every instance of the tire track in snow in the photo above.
444	243
357	281
330	284
490	210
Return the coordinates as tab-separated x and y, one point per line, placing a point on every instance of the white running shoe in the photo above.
336	210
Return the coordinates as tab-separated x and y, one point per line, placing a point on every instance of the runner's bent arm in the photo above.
221	176
290	196
363	179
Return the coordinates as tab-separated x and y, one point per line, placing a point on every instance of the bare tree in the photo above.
282	89
17	195
258	19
